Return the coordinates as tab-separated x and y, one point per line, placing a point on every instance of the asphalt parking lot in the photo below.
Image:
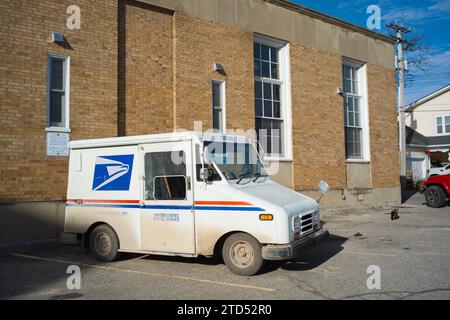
412	254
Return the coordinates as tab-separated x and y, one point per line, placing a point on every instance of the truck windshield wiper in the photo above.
258	174
242	176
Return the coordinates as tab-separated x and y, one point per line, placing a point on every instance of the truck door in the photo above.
167	211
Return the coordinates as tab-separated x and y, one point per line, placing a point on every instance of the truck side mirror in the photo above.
204	174
204	171
323	187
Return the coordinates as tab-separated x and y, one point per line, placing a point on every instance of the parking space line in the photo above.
370	253
152	274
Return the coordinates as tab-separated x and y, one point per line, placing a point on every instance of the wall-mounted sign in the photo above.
58	144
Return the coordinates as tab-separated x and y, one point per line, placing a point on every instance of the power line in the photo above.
432	110
433	74
427	80
430	75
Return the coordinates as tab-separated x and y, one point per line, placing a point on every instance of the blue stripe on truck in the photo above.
174	207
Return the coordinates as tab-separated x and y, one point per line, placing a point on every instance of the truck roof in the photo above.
153	138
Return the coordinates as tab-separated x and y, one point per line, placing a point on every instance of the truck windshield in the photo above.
235	160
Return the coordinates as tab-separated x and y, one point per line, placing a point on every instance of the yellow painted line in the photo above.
370	253
152	274
325	272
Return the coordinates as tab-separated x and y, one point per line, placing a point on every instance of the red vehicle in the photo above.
437	190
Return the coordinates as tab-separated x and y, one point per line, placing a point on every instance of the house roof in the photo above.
414	138
415	104
439	141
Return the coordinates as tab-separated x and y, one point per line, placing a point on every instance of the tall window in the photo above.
58	95
270	70
356	146
218	105
443	125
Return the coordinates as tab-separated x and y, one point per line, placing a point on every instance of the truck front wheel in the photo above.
242	254
104	243
435	196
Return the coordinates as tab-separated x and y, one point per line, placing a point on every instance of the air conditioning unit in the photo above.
57	37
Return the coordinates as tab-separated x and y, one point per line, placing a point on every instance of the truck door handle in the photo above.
188	182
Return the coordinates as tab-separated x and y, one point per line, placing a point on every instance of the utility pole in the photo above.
401	98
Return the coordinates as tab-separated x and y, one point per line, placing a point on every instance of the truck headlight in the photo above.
316	216
296	223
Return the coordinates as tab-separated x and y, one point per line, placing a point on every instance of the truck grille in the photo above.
307	223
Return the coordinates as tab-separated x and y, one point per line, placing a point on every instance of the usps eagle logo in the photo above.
113	173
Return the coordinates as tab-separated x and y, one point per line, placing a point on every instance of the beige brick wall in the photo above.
383	127
26	173
149	71
199	44
169	69
318	131
317	117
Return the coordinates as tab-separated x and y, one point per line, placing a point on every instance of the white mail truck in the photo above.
185	194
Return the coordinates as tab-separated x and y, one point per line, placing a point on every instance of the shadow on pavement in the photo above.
27	271
200	260
20	275
313	257
407	194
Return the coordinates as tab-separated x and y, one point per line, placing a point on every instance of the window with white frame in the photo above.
58	92
271	72
218	105
443	125
355	111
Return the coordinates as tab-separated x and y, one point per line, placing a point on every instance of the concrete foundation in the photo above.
357	198
25	221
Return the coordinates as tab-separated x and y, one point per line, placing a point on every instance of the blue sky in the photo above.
430	18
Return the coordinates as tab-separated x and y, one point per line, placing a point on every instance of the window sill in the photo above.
280	159
357	161
57	129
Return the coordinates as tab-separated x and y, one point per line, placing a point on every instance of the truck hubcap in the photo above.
103	243
241	254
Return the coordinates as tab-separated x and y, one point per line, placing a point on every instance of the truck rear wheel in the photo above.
242	254
104	243
435	197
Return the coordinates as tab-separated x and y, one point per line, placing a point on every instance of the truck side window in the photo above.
170	188
165	175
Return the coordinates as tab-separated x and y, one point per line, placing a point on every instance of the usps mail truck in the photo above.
185	194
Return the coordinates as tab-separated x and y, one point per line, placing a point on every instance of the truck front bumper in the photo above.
293	249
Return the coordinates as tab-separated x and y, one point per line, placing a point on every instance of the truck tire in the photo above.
242	254
104	243
435	197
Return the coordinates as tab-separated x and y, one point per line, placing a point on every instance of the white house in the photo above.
428	133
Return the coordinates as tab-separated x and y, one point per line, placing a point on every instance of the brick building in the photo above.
140	67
